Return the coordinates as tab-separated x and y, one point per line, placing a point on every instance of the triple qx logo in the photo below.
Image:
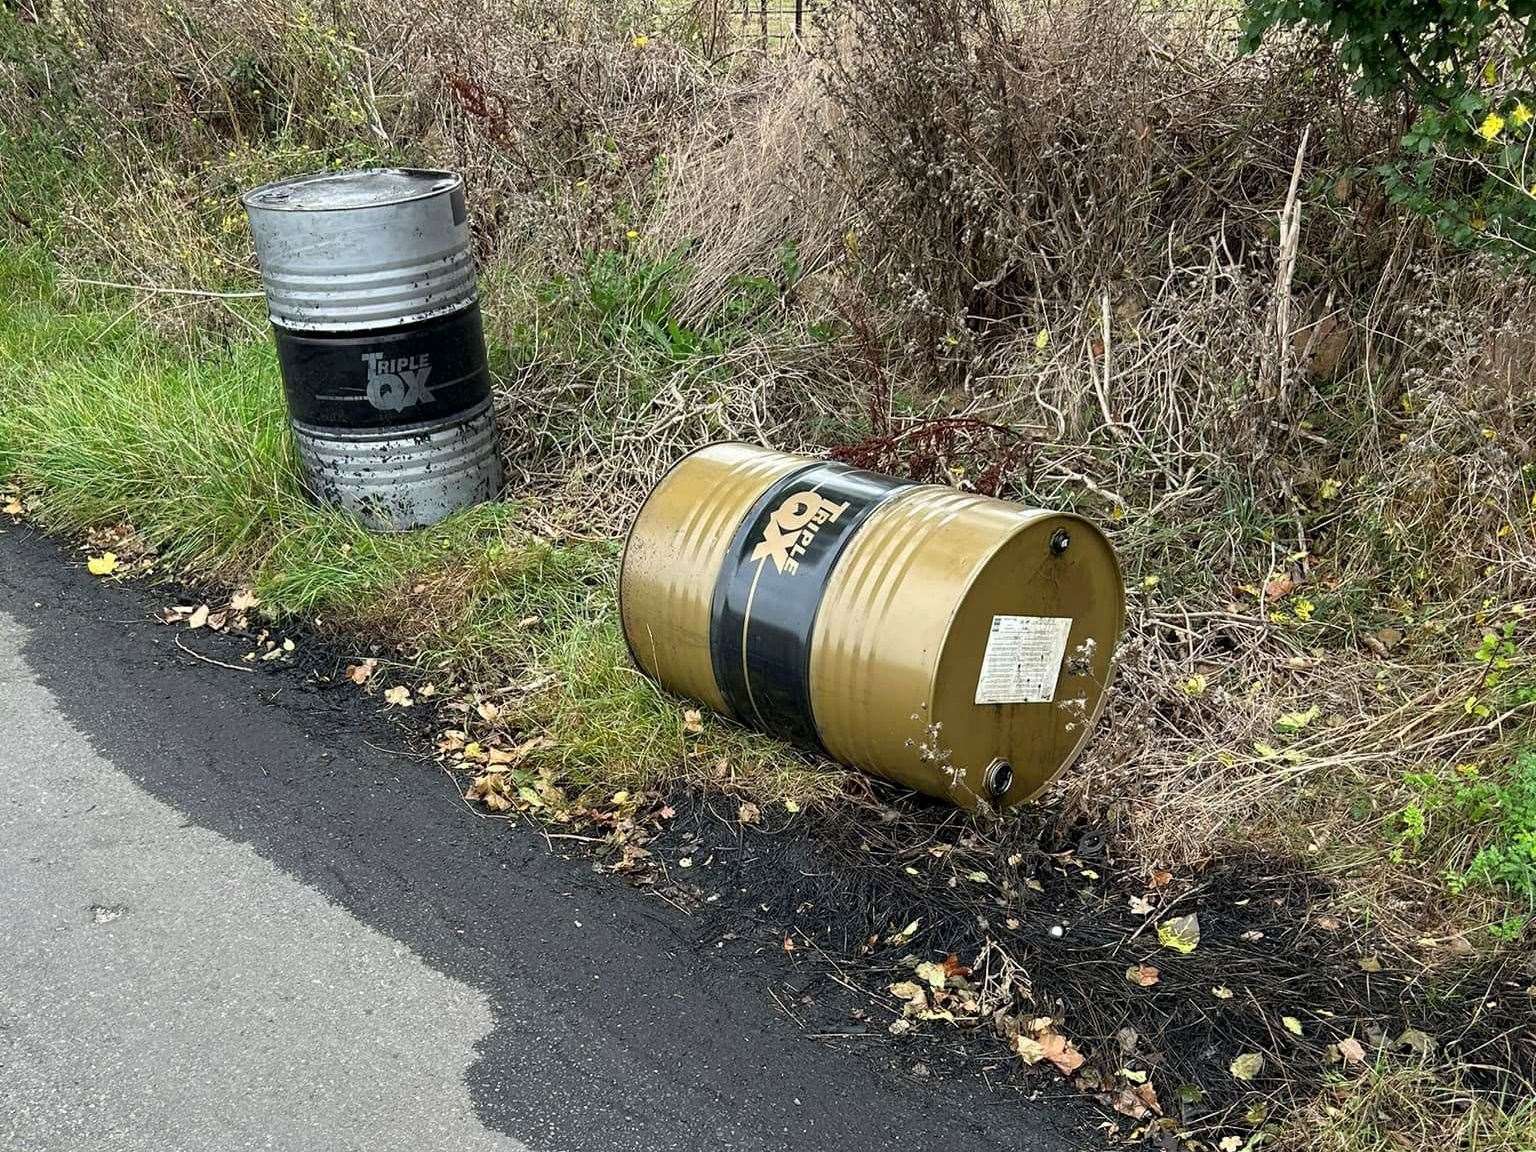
399	382
793	526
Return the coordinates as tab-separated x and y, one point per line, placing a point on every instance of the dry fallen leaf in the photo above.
1142	975
1292	1025
913	999
359	673
693	721
1279	587
1352	1050
1420	1042
1221	992
103	565
1370	963
749	813
1247	1066
399	696
953	967
243	601
931	974
199	617
1028	1048
488	711
1181	933
1060	1052
1296	721
1137	1103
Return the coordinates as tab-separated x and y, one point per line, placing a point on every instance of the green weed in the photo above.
1449	814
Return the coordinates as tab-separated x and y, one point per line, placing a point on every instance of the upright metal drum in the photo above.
953	643
371	291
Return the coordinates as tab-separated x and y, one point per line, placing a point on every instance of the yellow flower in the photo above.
1521	116
1490	433
641	40
1491	126
1042	338
631	235
1304	608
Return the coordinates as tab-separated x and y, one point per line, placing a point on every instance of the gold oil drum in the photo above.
953	643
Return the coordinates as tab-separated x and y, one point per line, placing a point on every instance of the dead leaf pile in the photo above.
504	785
1040	1039
115	550
233	617
939	990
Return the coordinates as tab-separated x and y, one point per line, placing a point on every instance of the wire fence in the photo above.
767	23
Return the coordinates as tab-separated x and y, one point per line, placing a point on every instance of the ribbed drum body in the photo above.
371	291
673	556
957	644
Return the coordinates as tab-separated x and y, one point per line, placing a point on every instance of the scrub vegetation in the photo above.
1262	314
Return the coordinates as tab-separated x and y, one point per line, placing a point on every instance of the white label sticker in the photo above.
1023	659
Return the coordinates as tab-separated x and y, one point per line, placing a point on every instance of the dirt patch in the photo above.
1046	920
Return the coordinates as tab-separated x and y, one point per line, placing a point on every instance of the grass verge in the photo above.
109	426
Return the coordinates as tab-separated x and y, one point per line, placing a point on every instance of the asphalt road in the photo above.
231	919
